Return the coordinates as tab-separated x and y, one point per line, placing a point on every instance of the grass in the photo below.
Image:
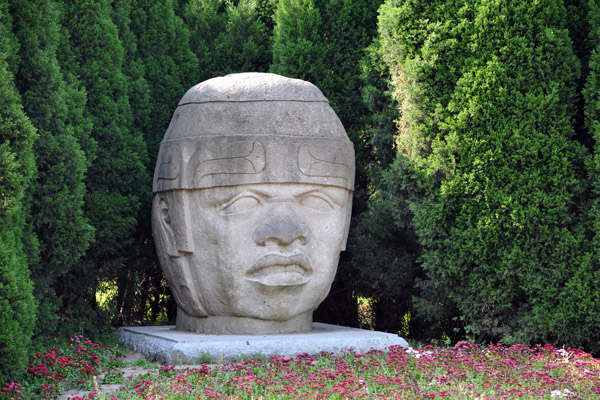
466	371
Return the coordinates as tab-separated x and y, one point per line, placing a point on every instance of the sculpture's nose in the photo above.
281	231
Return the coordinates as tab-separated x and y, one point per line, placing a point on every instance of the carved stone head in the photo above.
252	199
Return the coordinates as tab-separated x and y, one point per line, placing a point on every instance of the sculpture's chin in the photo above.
243	325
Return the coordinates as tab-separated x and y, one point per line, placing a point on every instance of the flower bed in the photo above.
466	371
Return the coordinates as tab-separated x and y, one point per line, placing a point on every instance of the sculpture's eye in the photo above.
240	204
317	201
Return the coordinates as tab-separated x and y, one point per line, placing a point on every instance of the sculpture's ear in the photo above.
171	215
348	218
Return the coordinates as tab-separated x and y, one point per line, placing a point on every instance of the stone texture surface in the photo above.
252	203
252	86
169	345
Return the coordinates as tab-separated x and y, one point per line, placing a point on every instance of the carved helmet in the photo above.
254	128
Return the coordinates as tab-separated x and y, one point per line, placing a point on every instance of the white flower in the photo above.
561	394
413	352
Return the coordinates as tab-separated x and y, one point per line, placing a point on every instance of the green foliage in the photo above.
487	98
207	22
266	11
17	169
415	34
170	67
383	242
323	42
57	194
476	209
121	301
380	120
384	252
117	177
585	309
299	48
244	45
228	37
134	68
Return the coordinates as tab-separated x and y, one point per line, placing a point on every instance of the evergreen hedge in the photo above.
56	196
488	99
17	169
475	125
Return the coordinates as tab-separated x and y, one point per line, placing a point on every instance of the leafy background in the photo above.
476	210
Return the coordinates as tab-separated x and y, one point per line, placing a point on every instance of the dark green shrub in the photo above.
56	195
117	179
17	168
488	100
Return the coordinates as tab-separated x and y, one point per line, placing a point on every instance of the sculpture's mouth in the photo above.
280	270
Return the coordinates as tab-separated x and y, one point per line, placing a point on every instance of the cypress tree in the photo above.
207	21
117	176
170	67
133	66
584	310
377	95
141	292
266	10
383	244
17	169
579	24
57	194
487	91
243	46
299	48
413	33
227	37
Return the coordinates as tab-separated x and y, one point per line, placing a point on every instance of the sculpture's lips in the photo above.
280	270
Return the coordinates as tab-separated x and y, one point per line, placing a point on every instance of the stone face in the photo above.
252	200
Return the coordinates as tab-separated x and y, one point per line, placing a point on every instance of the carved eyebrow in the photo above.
223	195
229	200
322	192
223	207
258	192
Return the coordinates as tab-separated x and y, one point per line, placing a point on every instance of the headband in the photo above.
204	162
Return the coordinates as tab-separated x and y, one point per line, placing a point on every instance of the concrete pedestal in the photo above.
172	346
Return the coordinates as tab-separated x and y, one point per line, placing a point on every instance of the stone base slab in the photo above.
169	345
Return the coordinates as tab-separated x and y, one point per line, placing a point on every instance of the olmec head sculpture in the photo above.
252	199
